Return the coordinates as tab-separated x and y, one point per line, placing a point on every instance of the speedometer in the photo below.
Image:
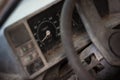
46	34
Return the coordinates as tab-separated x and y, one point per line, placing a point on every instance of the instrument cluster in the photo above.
36	41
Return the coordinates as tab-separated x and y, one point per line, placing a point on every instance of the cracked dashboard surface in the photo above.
35	40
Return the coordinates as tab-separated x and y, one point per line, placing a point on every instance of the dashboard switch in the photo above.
26	49
35	66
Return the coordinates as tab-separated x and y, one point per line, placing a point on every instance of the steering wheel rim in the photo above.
66	36
66	33
98	33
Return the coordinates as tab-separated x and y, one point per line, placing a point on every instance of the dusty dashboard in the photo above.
35	40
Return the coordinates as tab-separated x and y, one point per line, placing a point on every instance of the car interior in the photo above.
60	40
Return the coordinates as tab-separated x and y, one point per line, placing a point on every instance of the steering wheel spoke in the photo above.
105	39
99	34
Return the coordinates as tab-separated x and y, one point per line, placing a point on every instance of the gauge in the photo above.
47	35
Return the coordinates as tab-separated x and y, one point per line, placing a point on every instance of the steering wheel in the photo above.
106	40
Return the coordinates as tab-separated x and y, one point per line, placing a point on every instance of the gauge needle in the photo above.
47	34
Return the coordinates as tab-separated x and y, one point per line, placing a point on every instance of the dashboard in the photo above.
32	48
35	43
